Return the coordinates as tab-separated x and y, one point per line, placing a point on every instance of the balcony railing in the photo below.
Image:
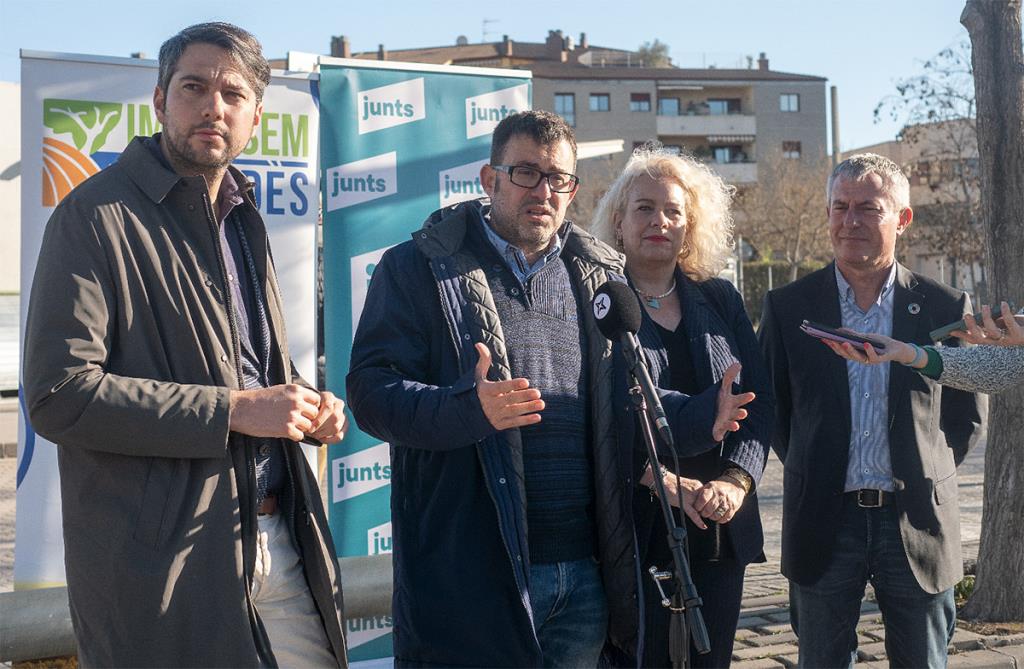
712	124
735	173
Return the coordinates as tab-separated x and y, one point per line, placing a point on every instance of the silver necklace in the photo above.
654	301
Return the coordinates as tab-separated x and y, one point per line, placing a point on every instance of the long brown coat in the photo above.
130	352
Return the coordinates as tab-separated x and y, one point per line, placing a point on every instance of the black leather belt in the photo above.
868	498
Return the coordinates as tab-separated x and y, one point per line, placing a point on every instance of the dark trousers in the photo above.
918	624
720	586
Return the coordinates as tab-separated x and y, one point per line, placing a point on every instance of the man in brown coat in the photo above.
156	359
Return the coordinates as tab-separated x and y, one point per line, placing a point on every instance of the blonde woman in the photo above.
670	216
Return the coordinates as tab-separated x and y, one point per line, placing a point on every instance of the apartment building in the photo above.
733	119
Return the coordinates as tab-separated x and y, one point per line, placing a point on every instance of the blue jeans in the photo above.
918	625
570	612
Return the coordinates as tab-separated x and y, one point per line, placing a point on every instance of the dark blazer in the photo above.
720	334
931	428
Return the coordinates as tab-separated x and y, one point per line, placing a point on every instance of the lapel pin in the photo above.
914	308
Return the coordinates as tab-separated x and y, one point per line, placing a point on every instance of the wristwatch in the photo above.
739	477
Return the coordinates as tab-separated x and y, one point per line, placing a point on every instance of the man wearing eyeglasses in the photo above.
475	466
478	359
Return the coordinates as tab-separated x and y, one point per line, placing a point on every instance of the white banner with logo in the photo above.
77	114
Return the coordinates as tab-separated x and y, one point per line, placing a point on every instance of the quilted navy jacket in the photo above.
461	556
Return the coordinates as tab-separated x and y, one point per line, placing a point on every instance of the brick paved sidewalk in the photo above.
764	639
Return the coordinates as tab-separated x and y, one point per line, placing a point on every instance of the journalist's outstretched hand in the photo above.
997	364
894	350
993	332
990	332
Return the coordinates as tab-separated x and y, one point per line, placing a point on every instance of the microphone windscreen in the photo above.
616	309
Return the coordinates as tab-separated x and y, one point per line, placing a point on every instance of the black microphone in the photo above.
617	311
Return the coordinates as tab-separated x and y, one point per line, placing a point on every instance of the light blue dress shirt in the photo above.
870	464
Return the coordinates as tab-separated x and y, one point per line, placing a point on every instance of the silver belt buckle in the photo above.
869	499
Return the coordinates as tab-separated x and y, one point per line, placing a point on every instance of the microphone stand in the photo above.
686	619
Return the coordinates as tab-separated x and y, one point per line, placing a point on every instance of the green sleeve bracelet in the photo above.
933	368
919	354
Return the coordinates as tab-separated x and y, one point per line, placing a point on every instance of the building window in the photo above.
668	106
565	106
639	102
732	153
789	102
600	102
791	150
723	106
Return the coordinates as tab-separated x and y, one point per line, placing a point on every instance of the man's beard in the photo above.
185	157
526	238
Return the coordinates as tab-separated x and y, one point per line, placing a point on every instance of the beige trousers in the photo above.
283	601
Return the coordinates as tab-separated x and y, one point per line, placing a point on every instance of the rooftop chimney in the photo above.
340	47
554	45
506	45
762	62
584	44
382	53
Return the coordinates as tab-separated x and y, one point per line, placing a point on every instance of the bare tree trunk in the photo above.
794	260
977	297
995	30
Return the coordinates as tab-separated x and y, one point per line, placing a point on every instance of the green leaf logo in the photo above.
89	123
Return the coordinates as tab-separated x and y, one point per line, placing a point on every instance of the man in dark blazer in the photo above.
869	452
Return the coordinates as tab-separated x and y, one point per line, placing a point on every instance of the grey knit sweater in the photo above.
982	369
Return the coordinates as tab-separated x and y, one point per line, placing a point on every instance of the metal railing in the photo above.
36	624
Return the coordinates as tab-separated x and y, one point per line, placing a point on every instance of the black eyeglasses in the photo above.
529	177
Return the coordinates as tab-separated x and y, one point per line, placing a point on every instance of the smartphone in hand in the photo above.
819	331
939	334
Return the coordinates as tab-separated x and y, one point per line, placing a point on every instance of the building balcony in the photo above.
735	173
702	126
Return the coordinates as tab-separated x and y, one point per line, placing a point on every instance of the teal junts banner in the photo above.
397	141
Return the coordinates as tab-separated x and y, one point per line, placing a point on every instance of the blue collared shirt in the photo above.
514	257
869	465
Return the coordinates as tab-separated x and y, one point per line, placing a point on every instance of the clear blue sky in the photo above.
861	46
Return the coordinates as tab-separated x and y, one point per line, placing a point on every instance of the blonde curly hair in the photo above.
708	241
